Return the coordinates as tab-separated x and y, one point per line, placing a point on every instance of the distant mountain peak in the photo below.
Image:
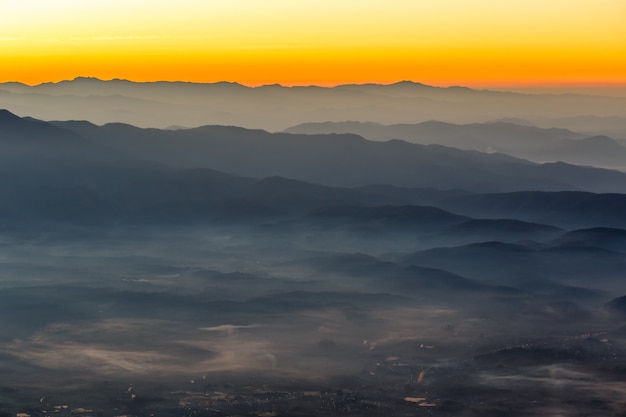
412	83
87	79
459	88
6	116
82	80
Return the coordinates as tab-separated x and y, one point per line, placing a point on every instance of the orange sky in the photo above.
478	43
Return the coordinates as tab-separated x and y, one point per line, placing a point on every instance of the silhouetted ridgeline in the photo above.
564	209
529	142
275	108
122	172
344	160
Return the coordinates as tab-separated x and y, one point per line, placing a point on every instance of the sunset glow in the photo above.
468	42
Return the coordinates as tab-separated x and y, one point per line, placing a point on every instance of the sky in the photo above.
478	43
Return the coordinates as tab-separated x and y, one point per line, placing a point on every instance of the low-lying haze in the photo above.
470	266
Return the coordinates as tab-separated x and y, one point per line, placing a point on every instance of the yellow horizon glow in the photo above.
323	42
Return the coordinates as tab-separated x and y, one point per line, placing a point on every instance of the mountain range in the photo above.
275	108
520	140
343	160
80	173
78	170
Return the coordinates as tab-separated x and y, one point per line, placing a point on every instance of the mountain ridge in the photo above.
275	108
396	162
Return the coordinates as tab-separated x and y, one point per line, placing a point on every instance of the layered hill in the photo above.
274	107
76	170
344	160
520	140
564	209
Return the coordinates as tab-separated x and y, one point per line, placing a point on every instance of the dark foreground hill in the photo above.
76	170
602	237
507	263
563	209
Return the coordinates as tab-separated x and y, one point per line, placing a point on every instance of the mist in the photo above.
275	108
184	314
230	271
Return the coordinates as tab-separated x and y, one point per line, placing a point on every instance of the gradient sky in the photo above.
442	42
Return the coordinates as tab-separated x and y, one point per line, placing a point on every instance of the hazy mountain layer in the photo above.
537	144
273	107
502	137
344	160
566	209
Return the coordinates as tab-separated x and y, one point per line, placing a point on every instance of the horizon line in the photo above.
475	86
